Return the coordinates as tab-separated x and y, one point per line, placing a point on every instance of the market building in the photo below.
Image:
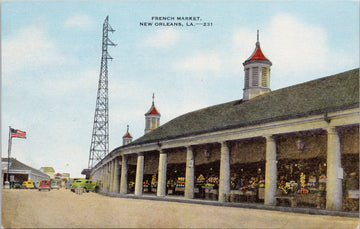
20	172
296	146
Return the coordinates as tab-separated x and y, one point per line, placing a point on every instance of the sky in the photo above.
51	55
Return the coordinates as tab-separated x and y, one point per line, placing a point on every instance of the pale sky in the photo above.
51	52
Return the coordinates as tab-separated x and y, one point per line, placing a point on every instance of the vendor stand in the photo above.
180	186
199	190
153	184
211	188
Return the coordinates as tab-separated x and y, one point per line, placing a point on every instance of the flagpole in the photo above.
9	152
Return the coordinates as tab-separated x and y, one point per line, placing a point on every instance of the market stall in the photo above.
302	170
175	184
248	170
350	164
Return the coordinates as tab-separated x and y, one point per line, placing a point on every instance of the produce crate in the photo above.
214	194
261	193
235	195
354	194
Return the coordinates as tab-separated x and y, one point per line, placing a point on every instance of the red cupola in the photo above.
257	73
257	55
152	118
127	138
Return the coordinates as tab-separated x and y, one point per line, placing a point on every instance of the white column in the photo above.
270	171
102	177
224	182
189	179
107	177
139	175
161	187
111	178
116	176
334	171
124	175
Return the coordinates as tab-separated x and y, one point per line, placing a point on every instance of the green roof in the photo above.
332	93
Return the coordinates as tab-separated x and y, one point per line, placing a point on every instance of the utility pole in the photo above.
100	135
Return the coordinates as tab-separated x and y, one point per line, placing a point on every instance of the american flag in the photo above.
17	133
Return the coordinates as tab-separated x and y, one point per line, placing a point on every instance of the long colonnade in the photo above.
117	162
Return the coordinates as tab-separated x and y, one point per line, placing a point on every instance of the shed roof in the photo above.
336	92
17	165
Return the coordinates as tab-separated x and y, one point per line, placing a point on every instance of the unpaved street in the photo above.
64	209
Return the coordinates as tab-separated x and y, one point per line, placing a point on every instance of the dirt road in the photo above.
64	209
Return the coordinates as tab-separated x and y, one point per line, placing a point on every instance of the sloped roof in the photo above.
127	135
319	96
257	55
152	110
17	165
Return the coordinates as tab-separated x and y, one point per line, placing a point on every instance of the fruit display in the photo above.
171	183
146	184
262	184
212	181
200	181
180	182
131	185
154	180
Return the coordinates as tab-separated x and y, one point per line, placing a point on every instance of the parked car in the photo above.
36	184
87	185
16	185
28	184
55	184
44	185
68	184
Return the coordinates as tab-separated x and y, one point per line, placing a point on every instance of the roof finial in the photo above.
127	126
153	97
257	38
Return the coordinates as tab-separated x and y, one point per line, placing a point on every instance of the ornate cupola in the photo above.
127	138
257	73
152	118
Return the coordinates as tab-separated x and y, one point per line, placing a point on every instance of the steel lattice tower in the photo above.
100	135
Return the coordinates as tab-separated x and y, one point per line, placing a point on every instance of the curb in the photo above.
310	211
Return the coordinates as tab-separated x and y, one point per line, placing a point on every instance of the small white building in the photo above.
19	172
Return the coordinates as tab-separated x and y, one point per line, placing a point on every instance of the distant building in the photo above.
20	172
49	171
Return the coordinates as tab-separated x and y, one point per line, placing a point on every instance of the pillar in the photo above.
102	177
139	174
270	171
107	177
334	171
224	182
189	179
116	176
161	187
124	175
111	177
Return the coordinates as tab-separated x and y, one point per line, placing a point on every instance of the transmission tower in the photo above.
100	135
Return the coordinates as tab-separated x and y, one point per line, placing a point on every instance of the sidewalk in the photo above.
182	199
